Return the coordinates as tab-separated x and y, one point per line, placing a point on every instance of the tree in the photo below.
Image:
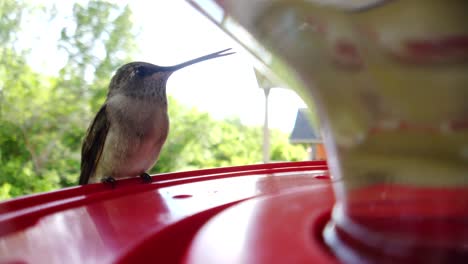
42	117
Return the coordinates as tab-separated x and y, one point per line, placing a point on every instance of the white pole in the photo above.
266	131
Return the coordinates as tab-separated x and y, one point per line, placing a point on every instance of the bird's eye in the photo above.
141	71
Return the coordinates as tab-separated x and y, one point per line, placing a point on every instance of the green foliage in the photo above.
282	150
198	141
5	191
99	43
43	118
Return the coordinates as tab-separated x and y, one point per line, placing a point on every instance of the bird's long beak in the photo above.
200	59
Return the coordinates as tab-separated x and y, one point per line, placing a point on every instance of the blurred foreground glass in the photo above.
390	80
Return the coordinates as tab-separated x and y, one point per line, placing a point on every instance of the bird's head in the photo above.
145	80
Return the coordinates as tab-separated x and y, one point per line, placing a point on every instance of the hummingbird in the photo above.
127	134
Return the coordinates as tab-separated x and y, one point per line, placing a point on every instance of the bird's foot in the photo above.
109	180
146	177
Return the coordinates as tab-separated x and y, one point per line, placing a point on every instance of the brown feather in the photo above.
93	145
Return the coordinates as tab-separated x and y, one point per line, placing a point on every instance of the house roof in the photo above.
303	132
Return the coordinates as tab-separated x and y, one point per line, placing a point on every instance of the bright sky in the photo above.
172	32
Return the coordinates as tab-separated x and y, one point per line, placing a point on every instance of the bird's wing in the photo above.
93	145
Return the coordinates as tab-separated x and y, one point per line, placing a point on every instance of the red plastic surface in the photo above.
282	228
419	225
171	220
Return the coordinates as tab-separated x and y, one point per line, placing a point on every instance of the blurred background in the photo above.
57	58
